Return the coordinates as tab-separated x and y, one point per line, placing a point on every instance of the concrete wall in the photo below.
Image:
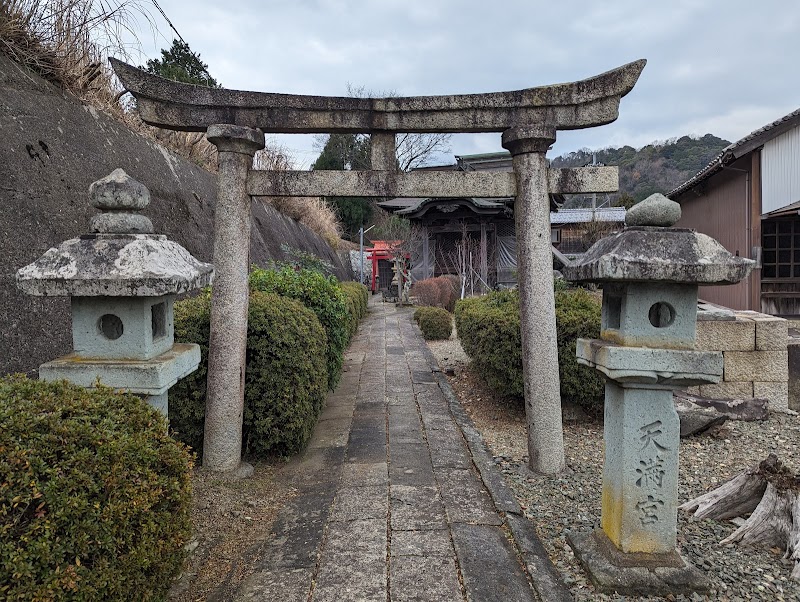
755	357
53	147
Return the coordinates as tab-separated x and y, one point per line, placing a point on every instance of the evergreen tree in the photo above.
347	152
180	64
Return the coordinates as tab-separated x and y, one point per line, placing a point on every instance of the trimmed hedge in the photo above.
285	377
95	495
356	298
322	295
489	329
434	322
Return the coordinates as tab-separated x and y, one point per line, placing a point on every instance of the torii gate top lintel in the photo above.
585	103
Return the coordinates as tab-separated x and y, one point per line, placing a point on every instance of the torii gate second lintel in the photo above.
529	119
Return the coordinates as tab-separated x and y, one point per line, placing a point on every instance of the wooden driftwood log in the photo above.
769	493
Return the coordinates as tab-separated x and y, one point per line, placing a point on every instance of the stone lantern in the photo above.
122	280
650	273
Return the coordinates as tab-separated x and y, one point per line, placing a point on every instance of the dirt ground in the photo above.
229	516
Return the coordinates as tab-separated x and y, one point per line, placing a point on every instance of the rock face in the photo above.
54	148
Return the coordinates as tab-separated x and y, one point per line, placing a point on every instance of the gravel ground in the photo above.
571	501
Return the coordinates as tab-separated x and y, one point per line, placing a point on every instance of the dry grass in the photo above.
313	213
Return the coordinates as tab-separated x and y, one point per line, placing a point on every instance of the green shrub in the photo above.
578	316
356	297
95	495
434	322
489	329
285	376
320	294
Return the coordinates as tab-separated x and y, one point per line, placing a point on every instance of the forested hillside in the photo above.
657	167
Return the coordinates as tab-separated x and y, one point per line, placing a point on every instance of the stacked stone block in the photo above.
755	357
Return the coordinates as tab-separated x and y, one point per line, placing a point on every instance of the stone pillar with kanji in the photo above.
650	274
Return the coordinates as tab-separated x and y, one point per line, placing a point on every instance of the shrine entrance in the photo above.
528	119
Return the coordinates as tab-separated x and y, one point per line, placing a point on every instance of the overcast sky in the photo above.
721	67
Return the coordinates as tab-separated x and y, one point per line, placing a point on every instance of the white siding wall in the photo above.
780	171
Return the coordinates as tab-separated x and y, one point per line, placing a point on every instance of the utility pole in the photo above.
361	233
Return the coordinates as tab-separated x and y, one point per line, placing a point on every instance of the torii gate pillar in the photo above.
528	146
222	442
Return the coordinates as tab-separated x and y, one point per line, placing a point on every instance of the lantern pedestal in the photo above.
634	574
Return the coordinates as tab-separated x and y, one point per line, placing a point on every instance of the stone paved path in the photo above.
392	503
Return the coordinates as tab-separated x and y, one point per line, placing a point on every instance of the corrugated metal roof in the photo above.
739	148
579	216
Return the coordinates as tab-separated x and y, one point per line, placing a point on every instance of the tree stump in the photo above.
768	492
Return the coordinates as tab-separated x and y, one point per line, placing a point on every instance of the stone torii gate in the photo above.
236	122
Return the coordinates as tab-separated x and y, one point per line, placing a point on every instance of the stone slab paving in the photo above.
397	498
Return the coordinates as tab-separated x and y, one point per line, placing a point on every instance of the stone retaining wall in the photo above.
756	362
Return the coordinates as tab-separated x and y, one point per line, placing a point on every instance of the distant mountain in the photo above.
657	167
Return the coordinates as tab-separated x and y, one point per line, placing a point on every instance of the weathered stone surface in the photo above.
488	565
355	503
545	578
351	578
772	333
593	101
227	344
131	328
109	223
410	464
118	191
776	392
359	475
634	575
727	390
421	543
113	265
727	335
766	366
655	210
537	302
465	498
414	578
793	350
144	377
640	469
289	585
650	254
744	408
632	314
696	419
416	507
335	434
673	367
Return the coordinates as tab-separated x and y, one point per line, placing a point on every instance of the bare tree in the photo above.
417	150
412	150
465	262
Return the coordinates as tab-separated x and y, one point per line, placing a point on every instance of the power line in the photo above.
166	18
180	37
